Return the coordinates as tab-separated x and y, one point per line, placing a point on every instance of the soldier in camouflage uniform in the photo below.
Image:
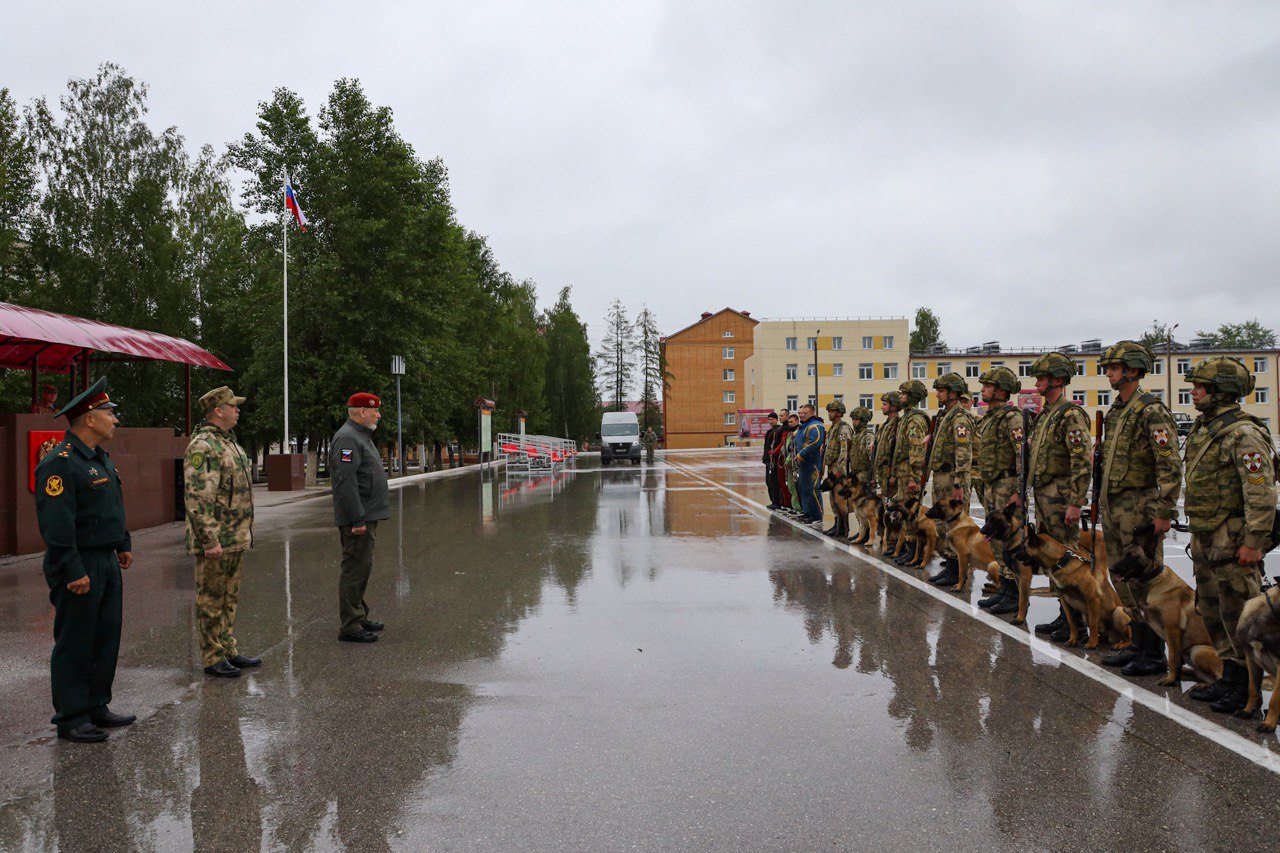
1230	504
1141	481
882	465
218	493
909	450
998	462
650	441
835	459
950	462
860	447
1060	463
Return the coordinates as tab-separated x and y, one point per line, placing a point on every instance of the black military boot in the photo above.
1151	658
1063	634
1237	692
1008	604
1056	625
950	574
996	597
908	555
1211	692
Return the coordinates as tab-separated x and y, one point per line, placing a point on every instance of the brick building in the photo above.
705	379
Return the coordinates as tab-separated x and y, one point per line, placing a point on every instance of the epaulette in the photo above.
1145	400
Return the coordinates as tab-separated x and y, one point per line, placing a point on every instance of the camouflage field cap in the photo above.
1129	354
1054	364
914	389
836	406
1223	374
1002	378
221	396
861	413
951	382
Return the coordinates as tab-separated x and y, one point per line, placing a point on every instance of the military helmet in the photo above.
1002	378
1223	374
892	399
1129	354
836	406
951	382
1054	364
861	413
914	389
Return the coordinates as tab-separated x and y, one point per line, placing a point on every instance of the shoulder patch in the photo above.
346	454
1252	461
53	486
1160	435
1017	434
197	459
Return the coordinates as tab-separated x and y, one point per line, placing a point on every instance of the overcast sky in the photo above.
1036	172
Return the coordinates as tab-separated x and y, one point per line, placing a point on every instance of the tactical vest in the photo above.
1129	462
884	449
945	437
996	452
838	438
1050	451
1214	491
860	452
902	452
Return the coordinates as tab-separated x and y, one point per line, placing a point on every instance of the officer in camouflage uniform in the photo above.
909	450
1230	504
1060	463
835	459
1141	481
882	467
860	447
950	462
998	461
650	441
218	493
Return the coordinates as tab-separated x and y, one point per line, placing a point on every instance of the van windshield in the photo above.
619	429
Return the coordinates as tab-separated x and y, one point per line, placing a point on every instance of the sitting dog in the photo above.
891	533
920	530
864	504
966	540
1083	588
1004	528
1168	606
1259	633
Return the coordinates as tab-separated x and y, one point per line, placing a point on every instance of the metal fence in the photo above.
534	452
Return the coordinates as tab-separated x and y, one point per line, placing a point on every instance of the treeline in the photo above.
103	217
630	359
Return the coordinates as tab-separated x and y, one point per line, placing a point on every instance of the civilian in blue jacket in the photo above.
810	442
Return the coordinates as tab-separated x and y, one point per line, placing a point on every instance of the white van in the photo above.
619	437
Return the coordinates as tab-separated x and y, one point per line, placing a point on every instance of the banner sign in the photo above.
753	423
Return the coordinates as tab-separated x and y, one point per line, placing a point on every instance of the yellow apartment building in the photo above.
703	390
820	359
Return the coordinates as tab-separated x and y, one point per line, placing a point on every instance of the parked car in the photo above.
1184	422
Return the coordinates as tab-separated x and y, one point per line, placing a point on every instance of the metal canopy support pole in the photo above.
84	371
187	408
35	380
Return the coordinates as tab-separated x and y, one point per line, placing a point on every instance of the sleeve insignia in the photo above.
1257	481
53	486
1160	435
1252	461
1075	437
1017	434
962	432
197	459
347	454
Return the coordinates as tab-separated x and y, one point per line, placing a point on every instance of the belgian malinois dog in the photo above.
1005	529
919	530
1258	632
1169	608
971	547
864	504
1083	588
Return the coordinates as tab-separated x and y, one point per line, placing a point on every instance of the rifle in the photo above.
1096	489
928	451
1025	452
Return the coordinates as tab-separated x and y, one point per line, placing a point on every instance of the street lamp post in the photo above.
1168	363
397	368
816	333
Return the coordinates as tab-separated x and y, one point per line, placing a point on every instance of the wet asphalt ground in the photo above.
608	659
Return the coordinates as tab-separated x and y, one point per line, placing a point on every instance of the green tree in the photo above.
653	369
927	331
17	201
615	362
1157	337
1240	336
572	398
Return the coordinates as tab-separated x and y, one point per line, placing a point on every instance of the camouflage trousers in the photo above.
1051	512
943	485
995	497
1223	585
1122	510
217	591
648	455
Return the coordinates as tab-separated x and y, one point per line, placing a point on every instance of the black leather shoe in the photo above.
1055	626
1145	664
110	720
1008	604
1124	657
88	733
370	625
996	597
947	577
1064	633
222	669
1210	692
242	662
362	637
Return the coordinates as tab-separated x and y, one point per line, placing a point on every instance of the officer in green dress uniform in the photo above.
80	509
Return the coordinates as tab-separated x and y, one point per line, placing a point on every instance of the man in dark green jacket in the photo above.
80	510
360	500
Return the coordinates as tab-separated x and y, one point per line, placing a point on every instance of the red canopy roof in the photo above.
58	339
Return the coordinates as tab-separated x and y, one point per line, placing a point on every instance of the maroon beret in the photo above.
364	401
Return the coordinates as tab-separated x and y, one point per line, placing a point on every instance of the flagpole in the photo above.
284	447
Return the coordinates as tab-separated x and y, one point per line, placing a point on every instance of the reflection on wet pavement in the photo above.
598	659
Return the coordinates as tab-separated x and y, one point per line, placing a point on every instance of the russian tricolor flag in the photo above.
291	203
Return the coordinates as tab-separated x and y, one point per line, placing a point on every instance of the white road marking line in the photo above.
1259	754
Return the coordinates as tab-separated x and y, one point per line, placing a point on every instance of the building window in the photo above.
864	371
811	344
813	401
1104	398
839	398
1260	395
972	369
1259	365
837	369
1184	396
728	376
726	352
1157	367
1081	397
866	401
1102	370
793	402
868	342
1266	422
888	341
1079	367
1024	368
1158	393
730	418
791	343
727	333
837	343
919	370
997	364
809	370
944	367
792	372
1184	364
891	371
731	396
